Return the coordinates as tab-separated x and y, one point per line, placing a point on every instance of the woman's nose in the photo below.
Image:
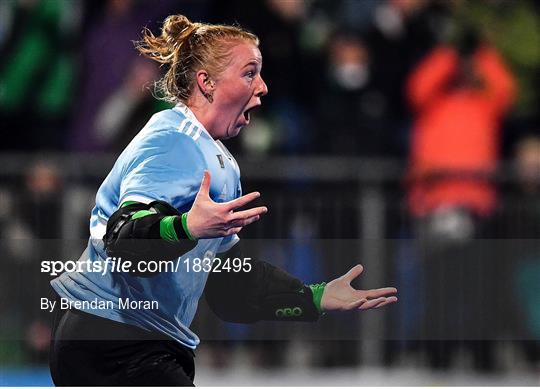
262	89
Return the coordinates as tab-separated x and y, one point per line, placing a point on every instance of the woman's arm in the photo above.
157	231
269	293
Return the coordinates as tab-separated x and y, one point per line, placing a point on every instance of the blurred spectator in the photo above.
128	108
38	338
402	32
513	27
115	98
528	168
368	61
37	44
354	15
42	215
353	109
459	96
30	233
523	223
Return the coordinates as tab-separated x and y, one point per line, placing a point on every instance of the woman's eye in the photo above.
250	74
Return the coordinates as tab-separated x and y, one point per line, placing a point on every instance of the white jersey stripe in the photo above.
192	131
181	125
187	127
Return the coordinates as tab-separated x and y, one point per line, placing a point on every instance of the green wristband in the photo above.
317	290
184	224
166	229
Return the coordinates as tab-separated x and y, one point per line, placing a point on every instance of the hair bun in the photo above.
177	29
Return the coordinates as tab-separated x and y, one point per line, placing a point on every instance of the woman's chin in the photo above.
234	131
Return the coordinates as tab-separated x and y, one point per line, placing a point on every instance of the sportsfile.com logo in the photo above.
119	265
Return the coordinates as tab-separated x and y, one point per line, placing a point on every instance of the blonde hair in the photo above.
185	48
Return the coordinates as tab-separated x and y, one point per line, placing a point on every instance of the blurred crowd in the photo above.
350	77
448	88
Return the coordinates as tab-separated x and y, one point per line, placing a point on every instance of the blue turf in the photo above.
33	376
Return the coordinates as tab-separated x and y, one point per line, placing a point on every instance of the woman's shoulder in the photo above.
165	129
161	141
163	123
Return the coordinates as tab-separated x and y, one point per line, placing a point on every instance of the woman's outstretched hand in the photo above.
208	219
339	295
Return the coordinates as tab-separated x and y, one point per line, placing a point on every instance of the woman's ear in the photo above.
206	85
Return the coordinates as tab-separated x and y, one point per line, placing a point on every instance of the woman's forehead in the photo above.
243	53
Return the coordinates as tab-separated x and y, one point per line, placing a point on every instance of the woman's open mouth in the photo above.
247	114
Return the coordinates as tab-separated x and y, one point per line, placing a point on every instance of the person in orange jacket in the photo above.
458	96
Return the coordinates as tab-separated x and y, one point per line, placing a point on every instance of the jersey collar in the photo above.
188	113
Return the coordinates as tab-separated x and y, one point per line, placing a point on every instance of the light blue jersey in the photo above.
165	161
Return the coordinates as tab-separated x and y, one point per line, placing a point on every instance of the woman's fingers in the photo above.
204	189
232	231
376	293
248	213
378	302
243	222
389	300
353	273
355	304
373	303
241	201
209	219
365	304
